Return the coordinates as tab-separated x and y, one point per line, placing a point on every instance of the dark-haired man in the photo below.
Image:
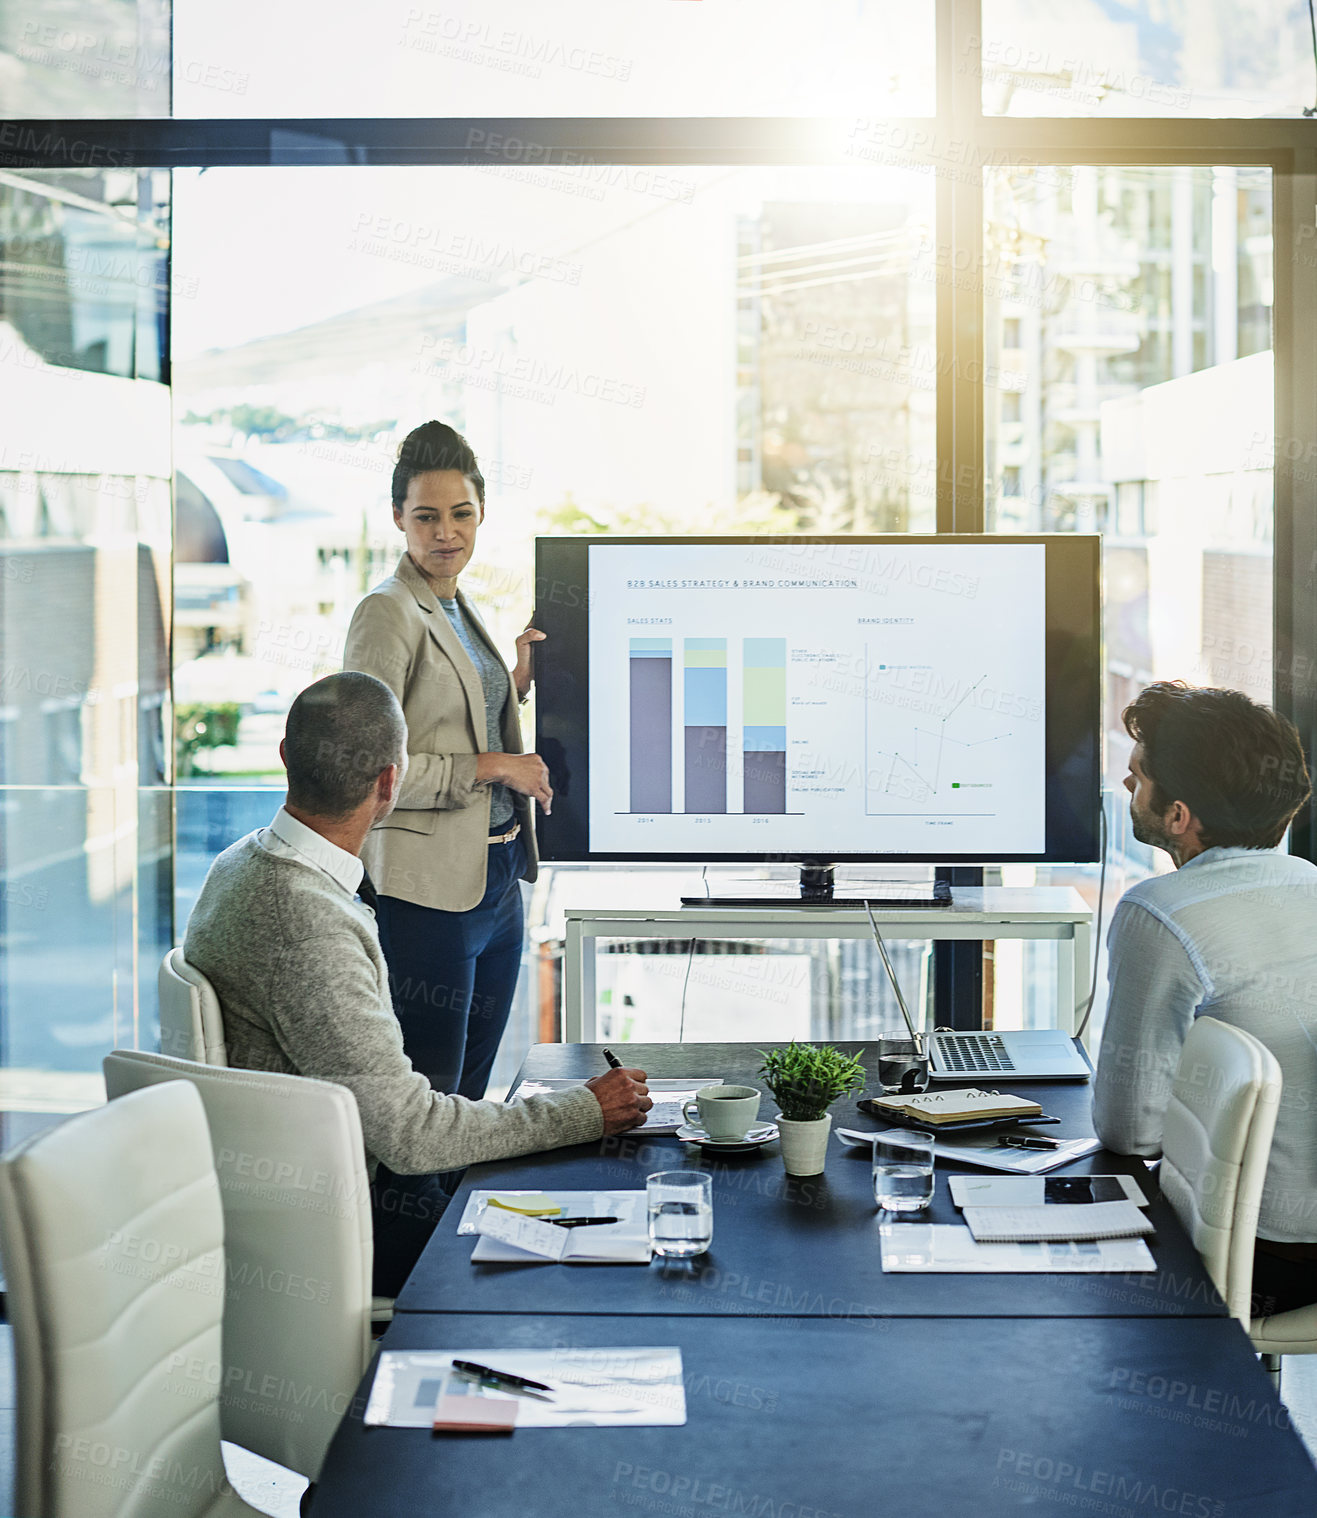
295	960
1214	779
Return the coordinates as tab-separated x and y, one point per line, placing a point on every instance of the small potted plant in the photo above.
806	1081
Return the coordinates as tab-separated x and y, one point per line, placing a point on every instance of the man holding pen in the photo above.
284	929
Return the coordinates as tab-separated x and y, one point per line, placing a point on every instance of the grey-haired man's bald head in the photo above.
342	733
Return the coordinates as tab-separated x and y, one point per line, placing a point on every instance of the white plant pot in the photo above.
804	1145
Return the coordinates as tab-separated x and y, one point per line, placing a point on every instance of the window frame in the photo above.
947	144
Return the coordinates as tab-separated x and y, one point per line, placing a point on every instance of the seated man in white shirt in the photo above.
1214	779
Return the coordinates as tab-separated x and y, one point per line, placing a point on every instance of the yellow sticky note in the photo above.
531	1205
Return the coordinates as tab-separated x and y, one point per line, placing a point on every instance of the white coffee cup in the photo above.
724	1112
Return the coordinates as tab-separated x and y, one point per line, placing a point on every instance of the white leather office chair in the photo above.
1216	1141
1284	1333
115	1271
292	1176
191	1025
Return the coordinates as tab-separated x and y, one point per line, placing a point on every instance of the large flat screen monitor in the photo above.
821	700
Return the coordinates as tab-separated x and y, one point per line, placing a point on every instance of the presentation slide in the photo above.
814	698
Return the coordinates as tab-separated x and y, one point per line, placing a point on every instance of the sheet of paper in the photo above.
1037	1190
530	1204
669	1095
627	1205
525	1235
970	1149
636	1386
976	1149
949	1248
625	1242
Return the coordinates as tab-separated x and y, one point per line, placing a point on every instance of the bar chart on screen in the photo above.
705	786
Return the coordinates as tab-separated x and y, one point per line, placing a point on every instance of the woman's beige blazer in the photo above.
433	847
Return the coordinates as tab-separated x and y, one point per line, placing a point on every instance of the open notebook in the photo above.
516	1237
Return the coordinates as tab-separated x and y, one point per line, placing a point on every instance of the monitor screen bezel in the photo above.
1073	633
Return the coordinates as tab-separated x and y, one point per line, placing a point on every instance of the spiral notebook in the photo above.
955	1106
1075	1222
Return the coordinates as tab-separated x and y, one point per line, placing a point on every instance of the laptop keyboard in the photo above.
974	1053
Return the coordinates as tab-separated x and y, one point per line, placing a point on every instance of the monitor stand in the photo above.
816	888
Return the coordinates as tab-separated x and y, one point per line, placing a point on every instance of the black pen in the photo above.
486	1373
1019	1141
579	1222
612	1059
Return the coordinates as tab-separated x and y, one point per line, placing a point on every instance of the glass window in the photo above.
666	348
520	58
84	270
749	346
85	826
1132	306
97	59
1086	58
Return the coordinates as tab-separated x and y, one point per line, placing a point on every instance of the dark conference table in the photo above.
817	1386
804	1248
796	1418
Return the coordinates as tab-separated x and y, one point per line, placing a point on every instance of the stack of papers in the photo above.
515	1231
978	1149
1043	1190
668	1096
640	1387
947	1248
1032	1209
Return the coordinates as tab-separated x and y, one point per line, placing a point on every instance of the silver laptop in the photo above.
1038	1054
1030	1054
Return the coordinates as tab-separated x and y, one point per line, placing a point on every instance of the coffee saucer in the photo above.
758	1135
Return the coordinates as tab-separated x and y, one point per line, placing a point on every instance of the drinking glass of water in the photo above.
680	1212
903	1170
903	1064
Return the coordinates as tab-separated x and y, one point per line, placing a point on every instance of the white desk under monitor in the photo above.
1058	913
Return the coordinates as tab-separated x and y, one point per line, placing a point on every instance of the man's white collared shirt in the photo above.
293	839
1232	934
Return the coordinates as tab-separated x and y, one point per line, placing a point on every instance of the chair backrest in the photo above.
292	1174
115	1270
191	1024
1216	1141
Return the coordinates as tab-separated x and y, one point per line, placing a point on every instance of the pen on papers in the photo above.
612	1059
1020	1141
486	1373
579	1222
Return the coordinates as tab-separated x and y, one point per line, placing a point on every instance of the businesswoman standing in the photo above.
447	861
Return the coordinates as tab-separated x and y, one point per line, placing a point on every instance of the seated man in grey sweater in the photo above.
295	960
